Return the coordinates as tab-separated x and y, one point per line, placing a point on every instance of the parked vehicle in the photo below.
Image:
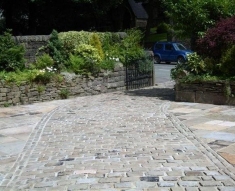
170	52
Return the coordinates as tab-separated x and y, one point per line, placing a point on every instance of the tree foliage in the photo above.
227	65
11	54
218	45
42	16
191	18
217	39
216	54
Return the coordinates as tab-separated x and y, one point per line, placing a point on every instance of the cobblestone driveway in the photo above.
116	142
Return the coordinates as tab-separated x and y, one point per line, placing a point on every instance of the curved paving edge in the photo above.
29	147
204	148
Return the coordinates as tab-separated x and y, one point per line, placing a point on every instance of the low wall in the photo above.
76	86
219	93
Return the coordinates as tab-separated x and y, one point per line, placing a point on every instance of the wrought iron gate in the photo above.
139	74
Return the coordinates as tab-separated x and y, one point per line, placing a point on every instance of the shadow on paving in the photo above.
160	93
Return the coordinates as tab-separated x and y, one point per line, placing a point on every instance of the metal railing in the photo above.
139	73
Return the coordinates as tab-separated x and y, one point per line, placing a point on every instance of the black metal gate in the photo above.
139	74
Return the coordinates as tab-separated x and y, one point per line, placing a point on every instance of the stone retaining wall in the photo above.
74	84
219	93
31	44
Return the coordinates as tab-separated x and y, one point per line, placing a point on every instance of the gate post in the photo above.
151	57
153	71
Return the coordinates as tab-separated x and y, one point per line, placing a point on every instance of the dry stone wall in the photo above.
75	85
31	44
219	93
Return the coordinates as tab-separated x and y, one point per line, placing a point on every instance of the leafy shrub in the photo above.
43	77
129	48
95	42
76	64
44	61
162	28
11	54
6	104
56	51
227	62
64	93
81	56
72	39
124	46
178	72
211	65
131	44
195	64
108	40
199	78
58	78
217	39
19	77
107	64
86	59
41	88
106	46
145	65
88	52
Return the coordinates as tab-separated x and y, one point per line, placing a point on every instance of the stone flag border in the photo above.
204	148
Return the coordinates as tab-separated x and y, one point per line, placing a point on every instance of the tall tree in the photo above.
14	13
191	18
103	10
153	8
42	16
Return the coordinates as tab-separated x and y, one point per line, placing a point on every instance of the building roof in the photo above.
138	10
